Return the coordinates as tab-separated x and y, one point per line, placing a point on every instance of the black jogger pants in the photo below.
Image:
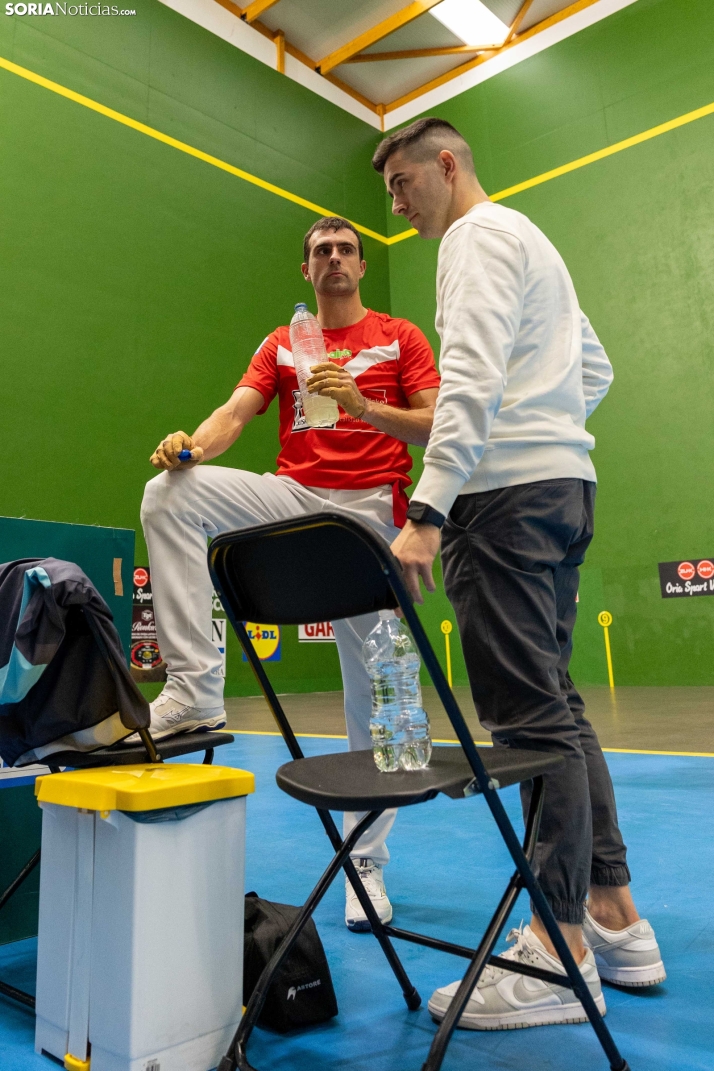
510	560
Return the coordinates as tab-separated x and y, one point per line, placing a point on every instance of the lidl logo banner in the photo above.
265	639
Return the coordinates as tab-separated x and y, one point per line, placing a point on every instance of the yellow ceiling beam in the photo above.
553	20
516	24
254	10
421	53
291	50
376	33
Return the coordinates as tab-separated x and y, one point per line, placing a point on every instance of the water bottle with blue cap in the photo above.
308	347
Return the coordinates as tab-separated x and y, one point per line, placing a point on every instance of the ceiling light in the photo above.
471	21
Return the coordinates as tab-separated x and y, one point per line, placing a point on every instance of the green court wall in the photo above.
136	281
637	233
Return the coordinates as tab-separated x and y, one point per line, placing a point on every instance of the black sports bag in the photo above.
302	993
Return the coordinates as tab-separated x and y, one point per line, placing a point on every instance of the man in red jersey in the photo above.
382	374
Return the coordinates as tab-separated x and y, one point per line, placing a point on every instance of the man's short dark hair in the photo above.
424	139
331	223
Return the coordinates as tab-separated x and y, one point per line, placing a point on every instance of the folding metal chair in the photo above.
329	566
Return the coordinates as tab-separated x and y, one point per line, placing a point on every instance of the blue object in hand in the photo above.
185	455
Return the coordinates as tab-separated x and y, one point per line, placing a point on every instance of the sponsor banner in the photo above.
219	627
266	639
218	635
694	576
318	632
145	654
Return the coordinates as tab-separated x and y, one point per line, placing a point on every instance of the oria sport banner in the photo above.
680	580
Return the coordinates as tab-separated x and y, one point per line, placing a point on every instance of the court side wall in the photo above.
637	233
135	280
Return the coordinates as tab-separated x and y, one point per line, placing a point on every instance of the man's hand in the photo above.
331	381
166	454
415	548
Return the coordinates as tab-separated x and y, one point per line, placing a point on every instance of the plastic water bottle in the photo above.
399	725
308	348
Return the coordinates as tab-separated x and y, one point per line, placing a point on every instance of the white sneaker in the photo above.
372	878
171	716
504	1000
629	957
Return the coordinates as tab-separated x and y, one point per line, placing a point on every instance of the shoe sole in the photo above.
363	925
633	977
521	1020
204	725
201	725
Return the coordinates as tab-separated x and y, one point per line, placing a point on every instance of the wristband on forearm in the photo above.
420	513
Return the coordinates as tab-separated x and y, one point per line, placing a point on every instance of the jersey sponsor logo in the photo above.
337	355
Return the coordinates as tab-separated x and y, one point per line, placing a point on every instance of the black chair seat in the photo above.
351	782
119	755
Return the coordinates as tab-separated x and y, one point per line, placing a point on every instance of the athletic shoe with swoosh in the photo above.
629	957
505	1000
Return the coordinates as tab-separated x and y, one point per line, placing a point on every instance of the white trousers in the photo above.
181	510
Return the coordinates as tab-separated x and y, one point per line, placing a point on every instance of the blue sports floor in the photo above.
448	869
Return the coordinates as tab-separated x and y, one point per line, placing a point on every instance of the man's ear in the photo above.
305	271
362	267
447	161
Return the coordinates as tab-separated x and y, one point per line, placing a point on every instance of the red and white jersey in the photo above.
390	359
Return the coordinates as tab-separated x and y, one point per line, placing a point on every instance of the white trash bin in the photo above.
140	947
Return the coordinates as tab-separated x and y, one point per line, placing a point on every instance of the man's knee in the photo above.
157	497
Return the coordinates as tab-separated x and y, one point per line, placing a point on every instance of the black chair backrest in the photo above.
320	567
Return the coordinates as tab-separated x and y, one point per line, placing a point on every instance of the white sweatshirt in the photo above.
521	366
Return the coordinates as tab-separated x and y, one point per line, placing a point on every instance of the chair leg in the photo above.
545	914
447	1026
410	993
17	881
150	746
236	1056
6	989
411	996
208	757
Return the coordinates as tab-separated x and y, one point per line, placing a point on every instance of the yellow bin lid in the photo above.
143	788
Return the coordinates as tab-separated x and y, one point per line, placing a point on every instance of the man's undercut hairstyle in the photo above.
422	141
330	223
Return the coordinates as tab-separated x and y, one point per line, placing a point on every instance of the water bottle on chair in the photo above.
399	725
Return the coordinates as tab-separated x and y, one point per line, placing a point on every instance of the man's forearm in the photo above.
217	433
408	425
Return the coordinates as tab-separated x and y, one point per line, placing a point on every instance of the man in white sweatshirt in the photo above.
508	475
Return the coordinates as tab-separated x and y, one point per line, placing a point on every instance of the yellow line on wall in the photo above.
190	150
591	158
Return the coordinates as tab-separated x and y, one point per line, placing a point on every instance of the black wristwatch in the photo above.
420	513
